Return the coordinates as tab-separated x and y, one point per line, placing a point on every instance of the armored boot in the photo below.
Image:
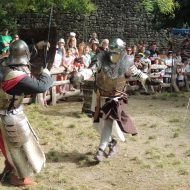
112	148
100	154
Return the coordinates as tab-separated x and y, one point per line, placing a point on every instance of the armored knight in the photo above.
109	98
18	142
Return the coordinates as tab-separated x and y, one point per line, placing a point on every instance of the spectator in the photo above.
163	53
81	48
72	37
5	41
141	46
187	73
134	50
169	61
16	37
93	38
104	46
94	47
185	50
178	58
147	61
86	58
72	46
129	51
153	51
60	53
180	80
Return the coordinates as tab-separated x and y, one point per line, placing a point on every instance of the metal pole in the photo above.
49	25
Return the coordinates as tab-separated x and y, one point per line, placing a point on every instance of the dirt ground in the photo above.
157	159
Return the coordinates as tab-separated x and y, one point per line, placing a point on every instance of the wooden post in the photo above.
54	98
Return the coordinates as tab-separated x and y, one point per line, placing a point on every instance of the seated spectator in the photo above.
146	61
157	70
104	46
153	52
138	62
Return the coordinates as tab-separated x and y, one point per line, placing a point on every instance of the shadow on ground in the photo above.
82	160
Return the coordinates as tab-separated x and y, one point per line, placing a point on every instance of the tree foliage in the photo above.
11	9
169	12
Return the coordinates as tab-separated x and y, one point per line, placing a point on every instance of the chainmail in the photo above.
111	69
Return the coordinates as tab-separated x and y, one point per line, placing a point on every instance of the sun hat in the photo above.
72	34
61	40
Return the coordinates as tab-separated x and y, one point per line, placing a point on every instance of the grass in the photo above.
175	135
174	120
153	126
152	137
70	143
183	171
187	153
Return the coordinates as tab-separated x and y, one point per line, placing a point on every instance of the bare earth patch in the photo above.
157	159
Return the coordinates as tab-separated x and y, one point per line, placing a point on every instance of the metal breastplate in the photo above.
6	99
108	86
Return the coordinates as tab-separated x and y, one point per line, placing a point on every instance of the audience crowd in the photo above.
158	62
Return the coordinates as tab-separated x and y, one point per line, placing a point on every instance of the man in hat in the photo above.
18	142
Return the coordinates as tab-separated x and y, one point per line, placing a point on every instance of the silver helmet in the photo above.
117	45
19	53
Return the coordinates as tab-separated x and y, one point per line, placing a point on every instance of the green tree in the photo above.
11	9
171	13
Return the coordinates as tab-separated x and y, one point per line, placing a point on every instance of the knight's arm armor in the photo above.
142	77
27	85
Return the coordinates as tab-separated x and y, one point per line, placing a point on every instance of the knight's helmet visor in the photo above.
117	45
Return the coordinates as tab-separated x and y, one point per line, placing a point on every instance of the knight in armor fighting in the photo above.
18	142
109	97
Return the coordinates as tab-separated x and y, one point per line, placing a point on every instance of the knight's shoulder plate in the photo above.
10	74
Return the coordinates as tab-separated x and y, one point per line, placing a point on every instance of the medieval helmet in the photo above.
117	45
19	53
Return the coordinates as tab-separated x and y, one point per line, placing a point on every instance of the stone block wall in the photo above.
113	18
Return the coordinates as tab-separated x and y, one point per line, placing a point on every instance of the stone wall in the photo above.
113	18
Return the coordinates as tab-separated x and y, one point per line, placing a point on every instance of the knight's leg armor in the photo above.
21	143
